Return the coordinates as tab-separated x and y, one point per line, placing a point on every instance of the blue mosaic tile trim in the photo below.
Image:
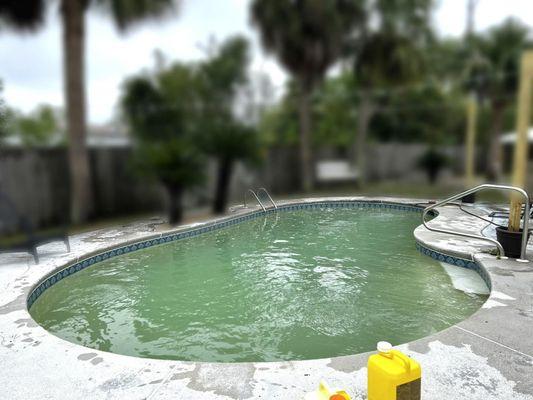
460	262
351	204
170	237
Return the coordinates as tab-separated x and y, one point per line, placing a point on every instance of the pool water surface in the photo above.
291	285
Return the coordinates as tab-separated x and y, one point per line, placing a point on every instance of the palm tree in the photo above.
224	137
499	54
307	36
230	142
29	14
161	112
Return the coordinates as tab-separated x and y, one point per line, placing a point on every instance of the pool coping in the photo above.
466	346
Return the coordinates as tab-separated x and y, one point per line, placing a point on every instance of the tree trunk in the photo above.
306	166
225	169
494	156
175	206
72	12
433	174
364	115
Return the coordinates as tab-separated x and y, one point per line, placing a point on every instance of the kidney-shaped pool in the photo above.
292	285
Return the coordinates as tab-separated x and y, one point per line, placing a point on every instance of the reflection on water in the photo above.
298	285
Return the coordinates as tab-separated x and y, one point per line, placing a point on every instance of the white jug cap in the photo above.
384	347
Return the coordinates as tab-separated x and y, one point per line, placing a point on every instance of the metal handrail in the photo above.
257	198
268	195
501	251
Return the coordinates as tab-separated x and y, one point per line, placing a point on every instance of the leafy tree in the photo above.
160	112
307	36
432	161
447	62
185	112
39	127
229	141
427	114
29	14
497	75
332	107
387	54
279	124
223	136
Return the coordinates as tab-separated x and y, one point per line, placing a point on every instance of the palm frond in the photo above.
22	14
130	12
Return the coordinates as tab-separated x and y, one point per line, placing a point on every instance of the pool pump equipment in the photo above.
392	375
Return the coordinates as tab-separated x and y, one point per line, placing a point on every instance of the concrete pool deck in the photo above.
487	356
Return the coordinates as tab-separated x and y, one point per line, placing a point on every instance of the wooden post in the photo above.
471	123
521	146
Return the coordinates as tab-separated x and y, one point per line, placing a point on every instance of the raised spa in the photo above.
298	284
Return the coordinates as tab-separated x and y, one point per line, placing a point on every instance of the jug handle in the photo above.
404	358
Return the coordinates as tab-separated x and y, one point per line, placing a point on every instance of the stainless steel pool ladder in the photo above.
256	196
501	251
250	191
268	195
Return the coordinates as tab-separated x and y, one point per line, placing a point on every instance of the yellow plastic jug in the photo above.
392	375
325	393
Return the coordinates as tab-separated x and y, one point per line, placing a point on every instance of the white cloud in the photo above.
451	14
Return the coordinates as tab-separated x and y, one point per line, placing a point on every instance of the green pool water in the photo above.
288	286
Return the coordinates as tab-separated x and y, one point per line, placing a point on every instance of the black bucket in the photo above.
510	241
469	198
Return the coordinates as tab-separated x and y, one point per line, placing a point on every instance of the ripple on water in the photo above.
300	285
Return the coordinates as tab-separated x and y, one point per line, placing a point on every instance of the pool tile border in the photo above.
167	237
457	261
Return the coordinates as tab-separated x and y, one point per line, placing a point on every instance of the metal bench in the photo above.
30	239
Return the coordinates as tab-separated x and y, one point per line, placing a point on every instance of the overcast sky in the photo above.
31	64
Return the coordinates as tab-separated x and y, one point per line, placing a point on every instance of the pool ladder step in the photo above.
256	196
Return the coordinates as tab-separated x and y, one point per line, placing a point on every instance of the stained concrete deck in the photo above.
488	356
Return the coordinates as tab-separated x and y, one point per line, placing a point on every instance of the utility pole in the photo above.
471	107
521	147
471	123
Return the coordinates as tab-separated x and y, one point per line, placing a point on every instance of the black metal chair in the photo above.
10	217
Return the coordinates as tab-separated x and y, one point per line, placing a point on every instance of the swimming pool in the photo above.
304	283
